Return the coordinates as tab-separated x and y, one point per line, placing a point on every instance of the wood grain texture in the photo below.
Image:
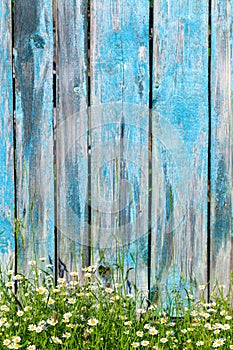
34	129
180	152
7	244
119	127
221	142
72	135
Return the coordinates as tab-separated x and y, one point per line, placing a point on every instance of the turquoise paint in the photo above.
6	138
73	198
34	119
119	55
124	45
120	81
222	224
221	140
7	242
176	288
180	131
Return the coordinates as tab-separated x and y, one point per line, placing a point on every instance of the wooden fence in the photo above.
116	137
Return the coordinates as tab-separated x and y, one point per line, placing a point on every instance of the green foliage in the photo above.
89	315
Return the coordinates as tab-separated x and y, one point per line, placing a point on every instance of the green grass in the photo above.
87	315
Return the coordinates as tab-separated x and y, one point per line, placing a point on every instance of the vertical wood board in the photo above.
7	244
71	135
119	127
180	148
221	255
34	129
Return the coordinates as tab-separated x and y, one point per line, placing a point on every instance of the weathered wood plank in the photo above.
180	152
34	129
7	244
119	128
71	135
221	142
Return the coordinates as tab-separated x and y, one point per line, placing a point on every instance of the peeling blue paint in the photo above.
6	137
34	132
121	78
180	130
221	141
119	123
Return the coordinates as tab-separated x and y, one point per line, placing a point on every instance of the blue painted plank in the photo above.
7	244
119	127
221	142
71	135
180	148
34	129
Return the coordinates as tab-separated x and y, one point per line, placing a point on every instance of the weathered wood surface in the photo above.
7	245
221	262
102	171
119	133
180	152
34	129
72	135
